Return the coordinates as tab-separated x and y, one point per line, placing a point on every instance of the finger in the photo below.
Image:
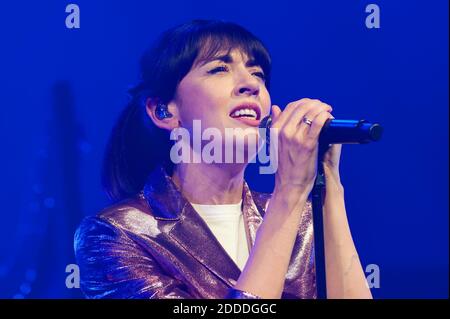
317	124
318	107
275	113
293	125
332	155
315	107
289	109
312	113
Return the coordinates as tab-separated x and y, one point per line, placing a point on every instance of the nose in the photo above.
247	85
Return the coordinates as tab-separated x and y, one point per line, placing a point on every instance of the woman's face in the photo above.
227	91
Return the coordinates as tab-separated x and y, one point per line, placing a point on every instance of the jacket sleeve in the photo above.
112	265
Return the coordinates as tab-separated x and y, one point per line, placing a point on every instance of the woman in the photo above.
193	229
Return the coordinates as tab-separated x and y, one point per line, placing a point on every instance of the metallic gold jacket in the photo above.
155	245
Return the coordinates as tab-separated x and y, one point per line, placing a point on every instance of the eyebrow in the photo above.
226	58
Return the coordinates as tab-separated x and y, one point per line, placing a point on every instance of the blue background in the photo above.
62	89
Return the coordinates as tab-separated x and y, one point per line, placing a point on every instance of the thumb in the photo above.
276	111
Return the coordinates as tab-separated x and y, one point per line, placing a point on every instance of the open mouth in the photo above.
246	111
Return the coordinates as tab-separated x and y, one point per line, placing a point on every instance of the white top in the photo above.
227	224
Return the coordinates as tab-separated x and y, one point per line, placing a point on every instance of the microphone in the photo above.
339	131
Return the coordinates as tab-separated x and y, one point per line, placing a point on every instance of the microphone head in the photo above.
375	132
265	124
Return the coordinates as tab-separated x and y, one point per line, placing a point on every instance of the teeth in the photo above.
242	112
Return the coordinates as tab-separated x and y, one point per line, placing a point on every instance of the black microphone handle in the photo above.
340	131
350	132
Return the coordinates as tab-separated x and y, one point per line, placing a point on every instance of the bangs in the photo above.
213	44
167	63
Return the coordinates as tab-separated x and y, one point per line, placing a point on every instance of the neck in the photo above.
210	183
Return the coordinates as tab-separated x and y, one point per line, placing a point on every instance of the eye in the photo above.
222	68
260	75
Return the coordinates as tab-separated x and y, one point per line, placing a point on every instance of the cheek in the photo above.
203	101
189	98
199	103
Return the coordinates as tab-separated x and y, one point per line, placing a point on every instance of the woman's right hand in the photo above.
298	144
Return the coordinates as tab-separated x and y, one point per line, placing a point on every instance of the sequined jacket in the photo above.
155	245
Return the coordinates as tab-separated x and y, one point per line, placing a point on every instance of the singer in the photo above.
195	229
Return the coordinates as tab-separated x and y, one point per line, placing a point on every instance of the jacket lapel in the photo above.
191	231
253	214
194	235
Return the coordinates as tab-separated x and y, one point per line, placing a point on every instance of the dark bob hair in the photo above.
136	146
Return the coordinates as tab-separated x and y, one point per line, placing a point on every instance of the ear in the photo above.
167	123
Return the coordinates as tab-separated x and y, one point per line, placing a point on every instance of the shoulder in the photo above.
133	206
131	215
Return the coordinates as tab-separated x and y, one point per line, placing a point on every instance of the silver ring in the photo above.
307	121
